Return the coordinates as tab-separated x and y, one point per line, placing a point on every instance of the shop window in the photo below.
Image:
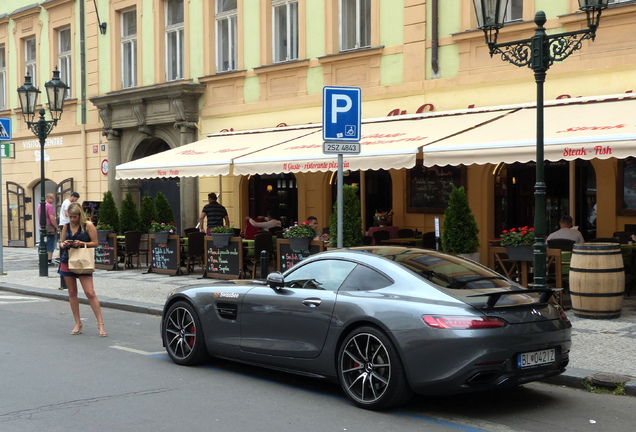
514	11
174	40
627	187
16	214
129	48
226	35
285	30
355	24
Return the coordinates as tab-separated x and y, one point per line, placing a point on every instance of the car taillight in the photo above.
462	323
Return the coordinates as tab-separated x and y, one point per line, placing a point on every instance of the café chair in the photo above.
624	237
132	242
428	240
275	230
263	241
406	233
565	246
367	240
189	230
144	247
195	251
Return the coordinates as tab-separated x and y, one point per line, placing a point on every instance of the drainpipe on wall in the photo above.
83	92
435	38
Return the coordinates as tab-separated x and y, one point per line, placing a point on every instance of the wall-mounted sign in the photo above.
6	150
105	167
5	129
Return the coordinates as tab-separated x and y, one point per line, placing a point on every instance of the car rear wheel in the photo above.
370	370
183	335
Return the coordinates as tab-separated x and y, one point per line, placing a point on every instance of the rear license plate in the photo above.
536	358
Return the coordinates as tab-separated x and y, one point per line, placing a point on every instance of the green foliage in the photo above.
222	230
164	209
460	228
522	236
163	227
128	214
351	219
147	214
302	230
108	214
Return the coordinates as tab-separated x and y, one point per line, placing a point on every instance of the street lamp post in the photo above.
56	92
538	53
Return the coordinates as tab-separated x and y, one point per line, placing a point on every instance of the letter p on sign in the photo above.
341	113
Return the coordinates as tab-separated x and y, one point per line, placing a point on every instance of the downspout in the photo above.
83	90
435	38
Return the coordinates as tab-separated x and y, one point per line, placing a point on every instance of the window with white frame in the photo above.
514	11
355	24
226	35
30	53
284	30
3	79
619	1
174	40
64	58
129	48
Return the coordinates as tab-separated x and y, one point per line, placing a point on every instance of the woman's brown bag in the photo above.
81	260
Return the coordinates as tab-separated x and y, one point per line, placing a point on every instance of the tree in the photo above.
460	228
147	214
164	209
128	216
351	219
108	214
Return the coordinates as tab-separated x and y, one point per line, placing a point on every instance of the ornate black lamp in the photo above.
538	53
28	94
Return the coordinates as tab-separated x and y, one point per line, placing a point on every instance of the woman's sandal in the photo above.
102	332
77	330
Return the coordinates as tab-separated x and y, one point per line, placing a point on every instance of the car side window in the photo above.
363	278
321	275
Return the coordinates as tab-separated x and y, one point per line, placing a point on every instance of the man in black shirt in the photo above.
215	213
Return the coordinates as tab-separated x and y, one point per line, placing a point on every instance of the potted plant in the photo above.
103	229
108	214
351	219
383	218
519	243
299	235
460	234
162	230
128	215
147	214
221	235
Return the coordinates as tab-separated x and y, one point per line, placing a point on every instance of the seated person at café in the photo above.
566	231
270	221
313	221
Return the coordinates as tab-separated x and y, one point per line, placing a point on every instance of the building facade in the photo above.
152	75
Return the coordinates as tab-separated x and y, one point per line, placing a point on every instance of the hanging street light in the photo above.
28	94
538	53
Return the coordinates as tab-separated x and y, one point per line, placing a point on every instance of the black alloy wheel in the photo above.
183	335
370	370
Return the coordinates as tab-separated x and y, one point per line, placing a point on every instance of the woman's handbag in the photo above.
81	260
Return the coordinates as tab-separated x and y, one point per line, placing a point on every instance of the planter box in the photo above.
161	237
102	235
300	243
520	253
221	239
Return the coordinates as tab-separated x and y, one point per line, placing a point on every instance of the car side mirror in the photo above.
275	280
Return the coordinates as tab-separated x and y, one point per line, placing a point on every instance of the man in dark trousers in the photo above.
215	213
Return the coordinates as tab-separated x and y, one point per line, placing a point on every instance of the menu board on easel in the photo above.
223	262
288	257
106	254
428	188
166	257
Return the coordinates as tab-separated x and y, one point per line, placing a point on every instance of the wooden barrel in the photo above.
597	280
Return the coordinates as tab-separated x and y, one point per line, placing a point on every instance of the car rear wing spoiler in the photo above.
494	297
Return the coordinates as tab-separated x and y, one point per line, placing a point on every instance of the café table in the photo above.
498	260
406	241
393	231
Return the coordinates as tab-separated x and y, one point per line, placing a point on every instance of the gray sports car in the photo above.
384	322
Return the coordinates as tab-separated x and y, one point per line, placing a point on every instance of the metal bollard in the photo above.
62	283
264	264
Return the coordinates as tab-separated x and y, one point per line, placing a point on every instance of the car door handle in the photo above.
312	302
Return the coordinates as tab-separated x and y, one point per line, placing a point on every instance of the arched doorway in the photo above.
514	195
378	190
274	192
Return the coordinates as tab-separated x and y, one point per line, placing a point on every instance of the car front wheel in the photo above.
370	370
183	335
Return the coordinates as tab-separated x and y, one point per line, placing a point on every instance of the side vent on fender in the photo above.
227	310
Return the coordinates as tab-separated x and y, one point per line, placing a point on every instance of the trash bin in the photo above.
597	280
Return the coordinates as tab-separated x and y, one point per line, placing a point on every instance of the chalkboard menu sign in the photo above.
106	253
428	188
288	257
166	257
223	262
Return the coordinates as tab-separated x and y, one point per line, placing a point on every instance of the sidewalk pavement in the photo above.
603	351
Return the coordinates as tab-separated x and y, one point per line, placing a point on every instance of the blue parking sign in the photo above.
5	129
341	113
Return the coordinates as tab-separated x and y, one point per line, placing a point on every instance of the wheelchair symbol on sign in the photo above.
350	130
